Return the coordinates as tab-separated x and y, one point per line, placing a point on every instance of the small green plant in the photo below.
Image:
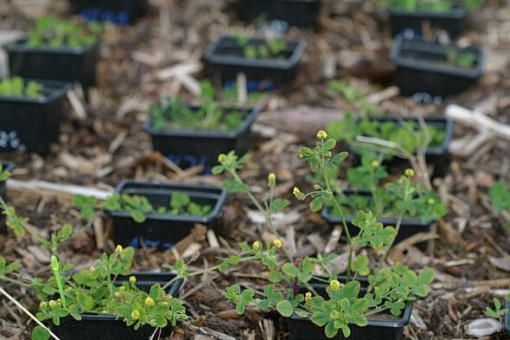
462	59
354	96
270	49
55	32
139	206
394	198
432	5
499	194
70	293
497	311
18	87
174	114
291	291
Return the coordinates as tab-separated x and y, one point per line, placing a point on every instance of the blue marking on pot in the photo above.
103	15
425	98
253	85
137	243
189	161
10	140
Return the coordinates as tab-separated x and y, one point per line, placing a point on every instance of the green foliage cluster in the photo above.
461	58
210	116
139	206
499	194
52	31
271	48
344	303
354	96
71	293
432	5
402	195
408	135
18	87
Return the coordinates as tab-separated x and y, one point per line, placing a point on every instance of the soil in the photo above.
470	252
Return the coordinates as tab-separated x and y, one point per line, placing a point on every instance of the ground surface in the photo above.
470	253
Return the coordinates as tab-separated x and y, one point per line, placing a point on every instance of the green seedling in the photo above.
54	32
430	5
139	206
210	116
18	87
500	198
270	49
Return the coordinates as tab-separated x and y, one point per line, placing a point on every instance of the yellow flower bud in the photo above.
122	288
256	245
149	302
222	158
132	279
374	164
135	315
409	172
271	180
43	304
118	249
334	285
431	201
52	303
321	134
298	194
277	243
308	297
334	315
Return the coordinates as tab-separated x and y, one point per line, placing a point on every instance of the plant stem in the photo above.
30	315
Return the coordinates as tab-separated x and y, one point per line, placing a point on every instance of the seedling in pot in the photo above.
430	5
209	116
18	87
55	32
139	206
272	48
459	58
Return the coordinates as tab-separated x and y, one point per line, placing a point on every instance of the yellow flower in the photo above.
277	243
222	158
431	201
43	304
374	164
256	245
118	249
135	315
308	297
409	172
334	315
132	279
52	303
299	195
321	134
334	285
122	288
271	180
149	302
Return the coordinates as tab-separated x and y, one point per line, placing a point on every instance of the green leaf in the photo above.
40	333
426	276
278	205
285	308
138	216
290	269
316	204
218	169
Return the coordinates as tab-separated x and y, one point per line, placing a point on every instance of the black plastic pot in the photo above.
380	329
452	21
189	148
408	227
32	123
118	11
6	166
163	230
422	66
68	64
302	13
436	156
106	326
226	59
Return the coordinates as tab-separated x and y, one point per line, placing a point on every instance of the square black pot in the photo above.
436	156
68	64
189	148
301	13
421	66
225	57
116	11
380	329
452	21
163	230
32	123
107	326
408	227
